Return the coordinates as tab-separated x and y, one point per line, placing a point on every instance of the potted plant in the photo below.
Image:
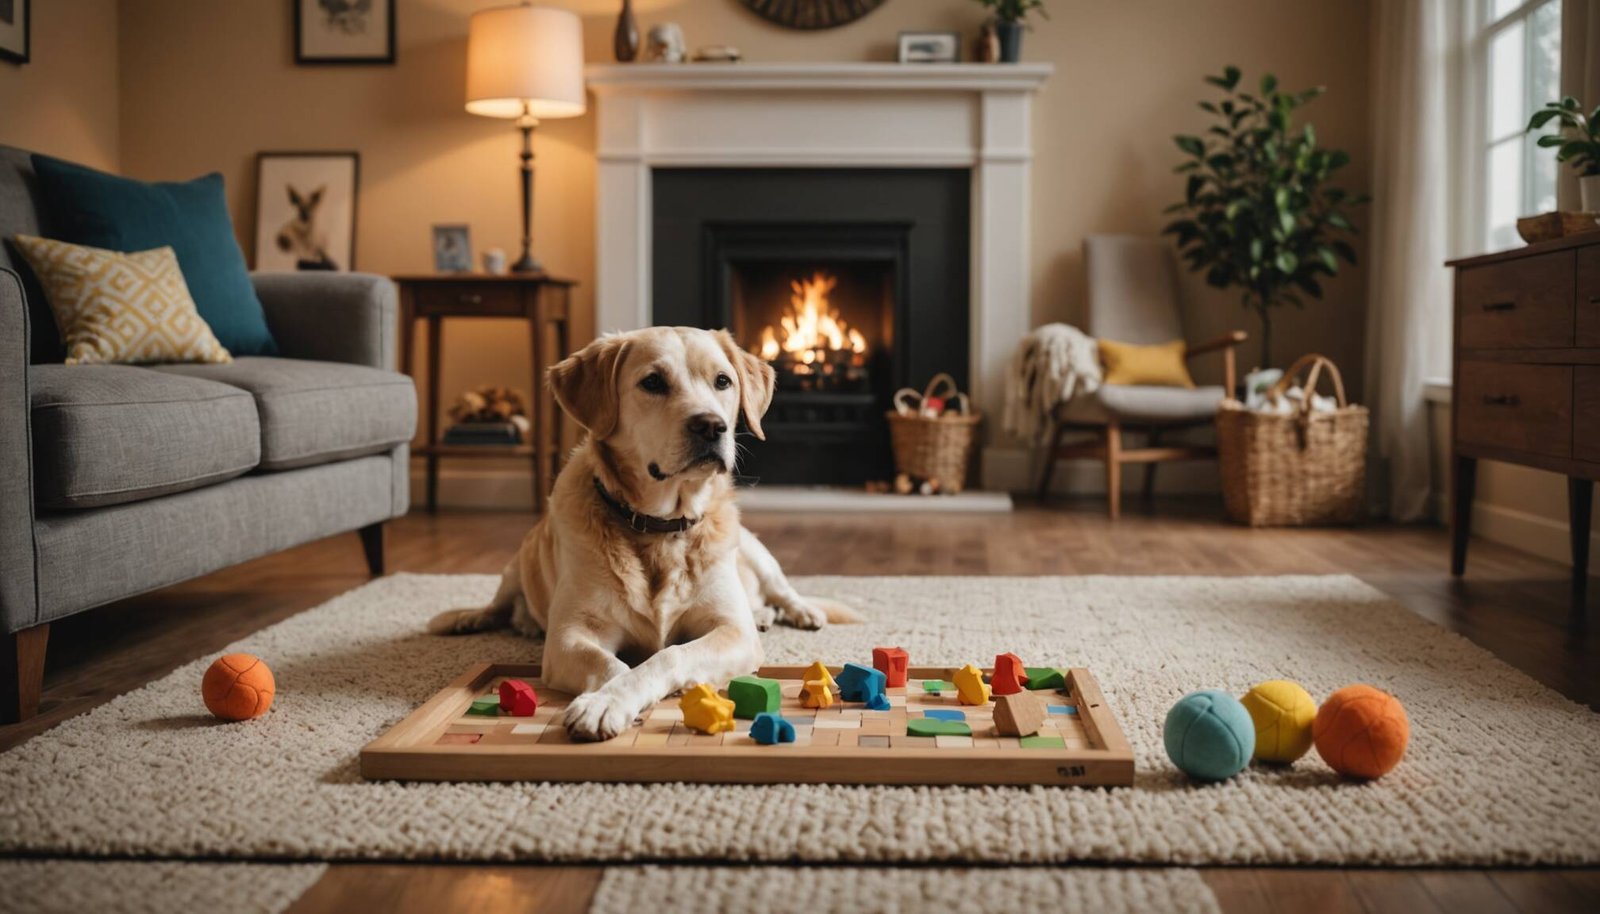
1259	211
1010	18
1578	144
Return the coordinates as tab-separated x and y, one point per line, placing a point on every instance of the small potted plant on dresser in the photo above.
1577	143
1010	19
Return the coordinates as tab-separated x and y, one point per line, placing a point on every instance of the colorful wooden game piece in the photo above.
487	706
1008	675
945	714
705	710
1043	742
517	698
818	672
1021	714
753	695
938	686
860	683
893	663
933	726
970	687
1209	735
817	693
1282	712
769	729
1361	731
1041	678
237	687
878	702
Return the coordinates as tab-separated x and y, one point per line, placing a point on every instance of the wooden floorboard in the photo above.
1511	603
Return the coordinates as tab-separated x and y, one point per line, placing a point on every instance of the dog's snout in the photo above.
707	426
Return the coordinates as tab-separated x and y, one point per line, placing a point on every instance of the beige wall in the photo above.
65	101
206	85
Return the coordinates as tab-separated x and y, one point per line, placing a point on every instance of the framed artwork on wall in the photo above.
306	210
343	31
15	17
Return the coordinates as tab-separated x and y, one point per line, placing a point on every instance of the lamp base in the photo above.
526	264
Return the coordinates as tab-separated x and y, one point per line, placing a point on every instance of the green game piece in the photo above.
1043	742
488	706
753	695
935	686
932	726
1044	677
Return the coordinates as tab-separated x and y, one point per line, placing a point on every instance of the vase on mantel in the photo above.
1010	33
625	43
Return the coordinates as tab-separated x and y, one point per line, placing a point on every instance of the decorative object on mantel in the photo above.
811	14
1550	226
986	48
1578	146
1010	20
344	31
525	62
717	53
452	248
934	435
494	262
16	31
625	42
1258	212
665	44
930	47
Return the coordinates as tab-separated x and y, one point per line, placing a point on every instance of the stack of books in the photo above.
483	433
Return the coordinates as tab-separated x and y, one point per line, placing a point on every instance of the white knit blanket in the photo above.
1052	364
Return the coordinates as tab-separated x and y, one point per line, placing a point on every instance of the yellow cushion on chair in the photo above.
1161	365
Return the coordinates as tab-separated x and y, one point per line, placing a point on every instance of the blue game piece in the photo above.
769	728
878	702
860	683
1061	709
942	714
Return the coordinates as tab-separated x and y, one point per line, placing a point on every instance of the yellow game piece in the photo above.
705	710
970	686
818	672
817	693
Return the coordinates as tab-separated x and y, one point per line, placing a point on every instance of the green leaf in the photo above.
1231	74
1540	118
1552	139
1338	220
1269	83
1346	251
1326	257
1193	186
1208	106
1193	145
1338	158
1286	221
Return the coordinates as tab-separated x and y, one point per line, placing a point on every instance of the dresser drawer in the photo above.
485	299
1586	413
1525	303
1521	407
1589	295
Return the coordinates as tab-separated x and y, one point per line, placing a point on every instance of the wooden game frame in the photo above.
409	751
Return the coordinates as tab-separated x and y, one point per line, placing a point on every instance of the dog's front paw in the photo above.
596	715
765	616
801	614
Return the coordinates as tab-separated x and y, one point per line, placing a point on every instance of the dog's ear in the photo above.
294	196
586	384
756	380
316	196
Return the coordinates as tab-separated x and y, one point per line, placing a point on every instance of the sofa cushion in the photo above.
1143	403
109	434
316	412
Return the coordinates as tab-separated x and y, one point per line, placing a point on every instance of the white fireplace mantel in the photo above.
847	115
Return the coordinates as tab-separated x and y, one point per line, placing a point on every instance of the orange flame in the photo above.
811	324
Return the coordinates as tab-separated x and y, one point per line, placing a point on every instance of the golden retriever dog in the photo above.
641	555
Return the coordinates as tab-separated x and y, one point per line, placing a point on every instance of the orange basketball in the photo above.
238	687
1361	731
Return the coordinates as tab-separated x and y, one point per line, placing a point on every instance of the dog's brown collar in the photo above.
642	523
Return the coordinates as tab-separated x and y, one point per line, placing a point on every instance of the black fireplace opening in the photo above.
851	284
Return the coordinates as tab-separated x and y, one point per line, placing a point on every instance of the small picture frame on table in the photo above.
930	47
343	31
16	17
306	210
452	248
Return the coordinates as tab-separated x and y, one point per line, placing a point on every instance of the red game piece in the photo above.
892	662
517	698
1008	675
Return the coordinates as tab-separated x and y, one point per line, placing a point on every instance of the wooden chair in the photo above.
1133	298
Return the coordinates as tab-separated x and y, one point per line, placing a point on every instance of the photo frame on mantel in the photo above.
343	32
16	20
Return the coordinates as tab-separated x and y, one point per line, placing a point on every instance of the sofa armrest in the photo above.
19	604
331	317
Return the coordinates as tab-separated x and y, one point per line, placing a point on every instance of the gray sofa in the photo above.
117	479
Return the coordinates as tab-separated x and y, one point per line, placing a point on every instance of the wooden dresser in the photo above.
1527	378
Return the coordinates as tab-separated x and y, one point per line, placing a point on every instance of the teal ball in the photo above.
1209	735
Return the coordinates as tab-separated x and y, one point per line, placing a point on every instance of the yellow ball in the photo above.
1282	712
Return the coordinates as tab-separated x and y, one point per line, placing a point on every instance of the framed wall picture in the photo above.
343	31
930	47
452	248
306	210
15	20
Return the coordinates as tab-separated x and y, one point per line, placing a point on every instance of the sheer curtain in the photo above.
1580	74
1409	287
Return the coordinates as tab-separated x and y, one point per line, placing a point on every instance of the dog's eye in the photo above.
654	383
724	382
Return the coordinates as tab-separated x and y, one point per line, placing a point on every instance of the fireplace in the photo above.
852	283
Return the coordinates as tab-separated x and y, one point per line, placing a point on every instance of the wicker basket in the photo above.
1298	470
940	447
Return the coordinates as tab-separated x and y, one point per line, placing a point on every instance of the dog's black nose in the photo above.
708	426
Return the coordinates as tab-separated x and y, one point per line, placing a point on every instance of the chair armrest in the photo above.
19	605
1227	341
331	317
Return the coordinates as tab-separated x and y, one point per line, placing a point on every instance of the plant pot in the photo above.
1010	40
1589	193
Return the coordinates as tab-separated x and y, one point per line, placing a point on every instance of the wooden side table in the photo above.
545	302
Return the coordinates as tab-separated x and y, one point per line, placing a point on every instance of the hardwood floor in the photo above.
1510	603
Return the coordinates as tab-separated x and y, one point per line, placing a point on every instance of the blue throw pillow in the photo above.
120	214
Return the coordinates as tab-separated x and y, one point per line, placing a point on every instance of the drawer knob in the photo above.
471	299
1499	305
1500	400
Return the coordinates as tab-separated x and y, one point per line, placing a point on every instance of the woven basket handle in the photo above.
907	402
1317	363
938	379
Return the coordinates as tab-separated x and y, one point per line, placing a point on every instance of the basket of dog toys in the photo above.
1292	457
934	434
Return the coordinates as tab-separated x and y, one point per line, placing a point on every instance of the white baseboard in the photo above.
1016	470
1542	536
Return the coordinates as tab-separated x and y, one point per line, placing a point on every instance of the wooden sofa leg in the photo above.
1113	470
372	545
22	673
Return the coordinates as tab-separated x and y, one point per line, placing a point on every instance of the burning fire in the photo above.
811	329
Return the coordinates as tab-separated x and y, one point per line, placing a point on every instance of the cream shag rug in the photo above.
153	887
1500	770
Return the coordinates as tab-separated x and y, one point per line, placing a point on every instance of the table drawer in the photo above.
487	299
1586	413
1525	303
1524	408
1588	297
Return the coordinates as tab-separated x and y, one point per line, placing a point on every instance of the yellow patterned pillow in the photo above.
114	307
1129	363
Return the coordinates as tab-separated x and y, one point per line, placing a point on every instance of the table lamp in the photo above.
525	62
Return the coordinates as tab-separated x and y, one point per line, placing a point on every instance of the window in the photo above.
1515	63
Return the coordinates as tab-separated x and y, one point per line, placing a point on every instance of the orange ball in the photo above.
238	687
1361	731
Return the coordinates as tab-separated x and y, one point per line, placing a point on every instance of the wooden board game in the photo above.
1080	743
